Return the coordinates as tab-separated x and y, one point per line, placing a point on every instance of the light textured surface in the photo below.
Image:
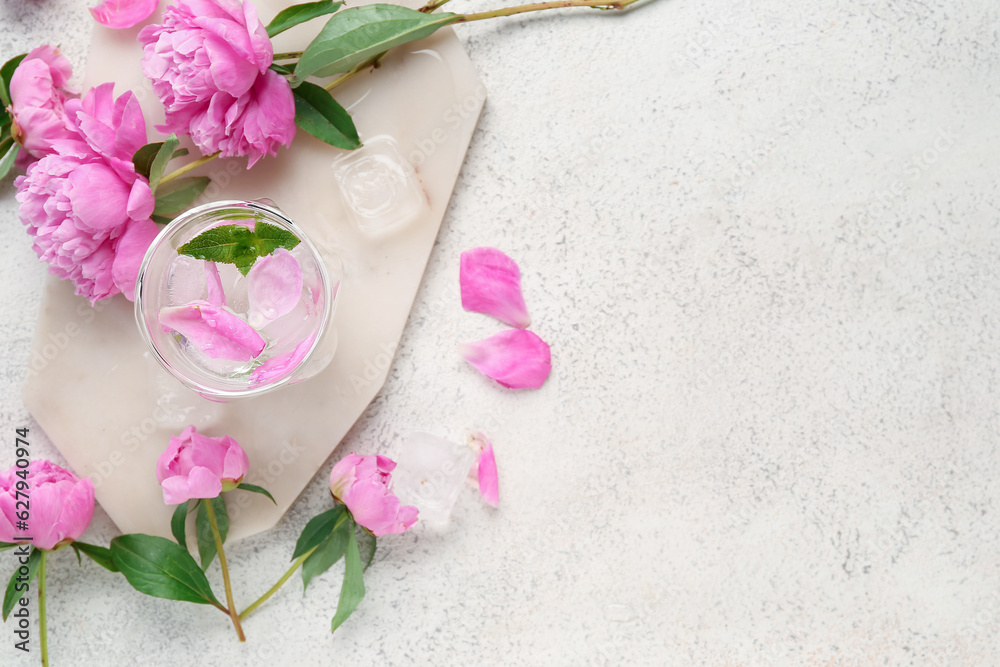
762	241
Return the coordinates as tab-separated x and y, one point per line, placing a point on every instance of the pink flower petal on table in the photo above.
486	468
516	358
274	286
216	295
281	365
123	13
215	331
491	284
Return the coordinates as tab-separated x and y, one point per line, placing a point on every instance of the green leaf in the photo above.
10	152
358	34
368	543
236	244
297	14
175	196
12	595
160	219
257	489
353	590
159	163
99	555
283	70
4	121
320	115
178	524
318	529
329	551
143	158
79	561
206	540
6	72
161	568
7	545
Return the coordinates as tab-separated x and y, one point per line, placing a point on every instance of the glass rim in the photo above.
210	392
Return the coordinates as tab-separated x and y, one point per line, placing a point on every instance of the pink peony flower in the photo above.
61	505
199	466
123	13
516	358
491	284
364	484
38	99
208	63
84	204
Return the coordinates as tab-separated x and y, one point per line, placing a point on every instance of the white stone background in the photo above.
762	240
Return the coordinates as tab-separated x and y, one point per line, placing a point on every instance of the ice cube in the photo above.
186	280
288	330
234	285
430	474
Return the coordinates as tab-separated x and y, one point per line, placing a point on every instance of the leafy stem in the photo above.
540	6
354	71
42	624
225	571
180	171
281	582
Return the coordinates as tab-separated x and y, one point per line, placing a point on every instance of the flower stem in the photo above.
225	570
281	582
43	626
188	167
354	71
288	55
432	5
539	6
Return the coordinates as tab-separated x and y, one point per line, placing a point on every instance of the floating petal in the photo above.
215	331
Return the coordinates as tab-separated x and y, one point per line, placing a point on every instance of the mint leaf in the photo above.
12	594
297	14
320	115
161	568
6	72
239	245
358	34
175	196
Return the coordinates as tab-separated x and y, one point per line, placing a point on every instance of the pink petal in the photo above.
123	13
279	366
215	331
491	284
274	286
129	252
515	358
489	484
216	295
99	198
199	483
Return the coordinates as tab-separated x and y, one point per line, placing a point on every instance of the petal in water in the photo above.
491	284
281	365
274	286
215	331
216	295
515	358
123	13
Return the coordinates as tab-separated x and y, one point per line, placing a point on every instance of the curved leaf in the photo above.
175	196
257	489
318	529
297	14
6	72
353	590
320	115
161	568
100	555
12	594
355	35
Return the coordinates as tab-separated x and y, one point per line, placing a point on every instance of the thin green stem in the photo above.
540	6
43	625
432	5
354	71
281	582
188	167
225	570
289	55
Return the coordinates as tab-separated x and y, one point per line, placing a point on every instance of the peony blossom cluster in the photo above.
200	466
61	505
208	63
83	203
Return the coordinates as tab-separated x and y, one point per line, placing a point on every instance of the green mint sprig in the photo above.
239	245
